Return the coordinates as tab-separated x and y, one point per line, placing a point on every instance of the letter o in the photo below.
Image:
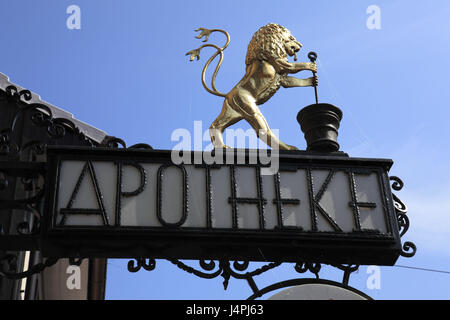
159	196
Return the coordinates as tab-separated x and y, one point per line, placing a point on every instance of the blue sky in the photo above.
125	72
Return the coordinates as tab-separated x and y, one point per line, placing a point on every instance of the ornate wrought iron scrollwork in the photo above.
314	268
33	228
141	263
32	177
409	248
75	261
211	269
14	94
226	271
7	146
348	270
8	267
114	142
42	116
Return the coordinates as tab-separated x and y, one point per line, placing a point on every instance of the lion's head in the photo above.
272	42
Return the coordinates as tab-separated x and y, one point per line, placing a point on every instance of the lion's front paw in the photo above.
312	67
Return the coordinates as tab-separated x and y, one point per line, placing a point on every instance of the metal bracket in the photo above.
212	269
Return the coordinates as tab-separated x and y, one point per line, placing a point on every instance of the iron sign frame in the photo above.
171	242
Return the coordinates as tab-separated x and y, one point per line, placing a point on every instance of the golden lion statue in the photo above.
267	68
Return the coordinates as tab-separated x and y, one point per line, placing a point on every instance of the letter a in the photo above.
68	210
74	280
374	20
74	20
374	280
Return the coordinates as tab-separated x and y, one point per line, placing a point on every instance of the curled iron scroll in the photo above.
8	266
314	268
141	263
409	248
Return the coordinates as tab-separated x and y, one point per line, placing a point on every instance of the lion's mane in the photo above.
267	43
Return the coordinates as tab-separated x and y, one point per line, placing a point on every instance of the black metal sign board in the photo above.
127	203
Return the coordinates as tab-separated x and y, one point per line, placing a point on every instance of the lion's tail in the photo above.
196	54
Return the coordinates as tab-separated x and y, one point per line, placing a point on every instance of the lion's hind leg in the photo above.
226	118
259	124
